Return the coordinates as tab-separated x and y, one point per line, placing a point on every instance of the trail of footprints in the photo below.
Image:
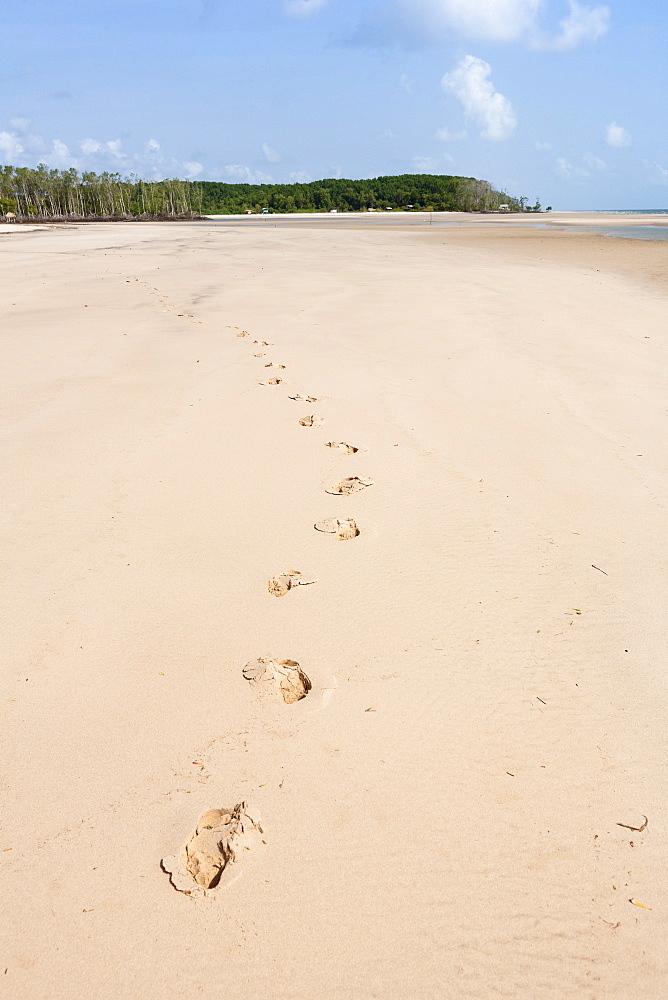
223	834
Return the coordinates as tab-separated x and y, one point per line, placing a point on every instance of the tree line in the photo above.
43	193
67	194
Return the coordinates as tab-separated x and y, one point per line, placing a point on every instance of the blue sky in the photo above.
557	99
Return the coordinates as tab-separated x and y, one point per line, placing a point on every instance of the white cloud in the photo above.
149	161
583	24
60	156
617	136
115	147
660	170
299	177
242	173
270	154
10	146
500	21
302	8
481	101
566	169
542	147
497	20
595	162
445	135
424	164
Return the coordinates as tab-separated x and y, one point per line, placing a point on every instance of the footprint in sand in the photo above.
351	484
286	675
262	343
279	585
272	365
344	529
242	333
348	449
272	381
259	355
219	838
310	421
307	399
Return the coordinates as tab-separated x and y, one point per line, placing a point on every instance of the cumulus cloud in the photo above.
489	20
497	20
583	24
28	150
271	155
302	8
595	162
424	164
115	147
617	136
446	135
60	155
566	169
10	147
240	172
470	84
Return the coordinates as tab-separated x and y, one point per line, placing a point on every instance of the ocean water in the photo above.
639	232
622	232
647	231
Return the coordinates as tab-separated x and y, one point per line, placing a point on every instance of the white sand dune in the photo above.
441	813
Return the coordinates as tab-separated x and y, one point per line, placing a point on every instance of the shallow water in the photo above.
639	232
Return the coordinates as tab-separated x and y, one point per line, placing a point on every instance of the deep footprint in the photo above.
243	333
351	484
286	675
272	381
344	529
219	838
307	399
272	365
279	585
310	421
348	449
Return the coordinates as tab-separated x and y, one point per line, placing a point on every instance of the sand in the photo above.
441	814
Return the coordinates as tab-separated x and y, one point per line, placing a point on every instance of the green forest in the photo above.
42	193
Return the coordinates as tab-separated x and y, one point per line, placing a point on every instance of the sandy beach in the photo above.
470	801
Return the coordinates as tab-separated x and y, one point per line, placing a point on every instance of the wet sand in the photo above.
447	809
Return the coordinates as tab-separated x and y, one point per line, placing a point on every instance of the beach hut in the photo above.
10	217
